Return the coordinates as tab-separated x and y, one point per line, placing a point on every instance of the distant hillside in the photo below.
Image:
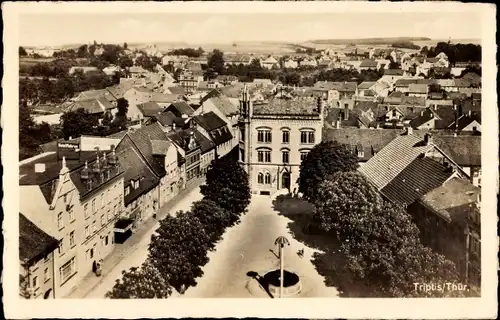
368	40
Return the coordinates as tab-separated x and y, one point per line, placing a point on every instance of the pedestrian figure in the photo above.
300	253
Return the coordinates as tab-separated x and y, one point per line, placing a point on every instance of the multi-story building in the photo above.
76	201
36	254
276	137
190	153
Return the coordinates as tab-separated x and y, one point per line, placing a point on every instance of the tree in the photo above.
125	45
213	217
227	184
76	123
99	63
125	62
145	282
83	51
378	242
22	52
145	61
323	160
179	249
216	61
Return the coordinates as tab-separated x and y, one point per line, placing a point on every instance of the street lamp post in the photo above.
281	241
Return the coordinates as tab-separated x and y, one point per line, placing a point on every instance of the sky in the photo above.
199	28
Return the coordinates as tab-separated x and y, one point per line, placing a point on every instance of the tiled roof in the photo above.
119	90
394	158
141	139
160	147
465	150
365	105
465	120
118	135
417	88
181	138
164	98
168	119
92	106
136	168
182	107
150	109
445	82
294	106
416	179
368	64
94	94
339	86
210	121
396	94
393	72
370	140
177	90
34	243
423	118
413	101
366	85
224	105
462	83
446	115
453	200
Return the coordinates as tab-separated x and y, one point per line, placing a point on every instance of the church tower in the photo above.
246	112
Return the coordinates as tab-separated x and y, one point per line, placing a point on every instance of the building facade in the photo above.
275	138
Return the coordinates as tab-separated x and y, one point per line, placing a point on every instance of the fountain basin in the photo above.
291	283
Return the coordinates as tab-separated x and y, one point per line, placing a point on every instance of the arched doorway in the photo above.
285	180
47	294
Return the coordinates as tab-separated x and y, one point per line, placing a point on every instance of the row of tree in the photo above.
189	52
377	244
31	134
44	90
178	250
405	45
455	52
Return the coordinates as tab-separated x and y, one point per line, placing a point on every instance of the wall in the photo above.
43	270
294	146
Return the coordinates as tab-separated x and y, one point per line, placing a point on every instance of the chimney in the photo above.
337	124
470	113
39	167
427	138
409	130
173	125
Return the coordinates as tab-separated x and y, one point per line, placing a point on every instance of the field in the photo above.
29	62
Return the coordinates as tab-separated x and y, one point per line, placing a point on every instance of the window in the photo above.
393	113
93	205
303	155
103	220
71	215
264	135
106	241
67	270
46	275
94	227
475	246
127	190
285	155
87	231
346	105
102	200
268	178
60	223
307	137
109	214
260	178
286	136
85	210
61	246
35	282
72	238
264	155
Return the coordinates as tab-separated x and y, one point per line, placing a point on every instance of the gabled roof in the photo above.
181	137
393	72
182	107
339	86
465	120
371	141
416	179
136	168
418	88
177	90
368	64
118	91
164	98
141	140
168	118
423	118
413	101
149	109
454	200
224	105
210	121
463	83
465	150
394	158
160	147
92	106
94	94
446	115
366	85
137	69
34	243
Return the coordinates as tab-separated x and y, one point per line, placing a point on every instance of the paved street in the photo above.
134	251
246	247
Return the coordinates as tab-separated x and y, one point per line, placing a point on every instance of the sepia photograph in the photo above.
209	151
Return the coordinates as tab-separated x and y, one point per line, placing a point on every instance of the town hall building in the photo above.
275	137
